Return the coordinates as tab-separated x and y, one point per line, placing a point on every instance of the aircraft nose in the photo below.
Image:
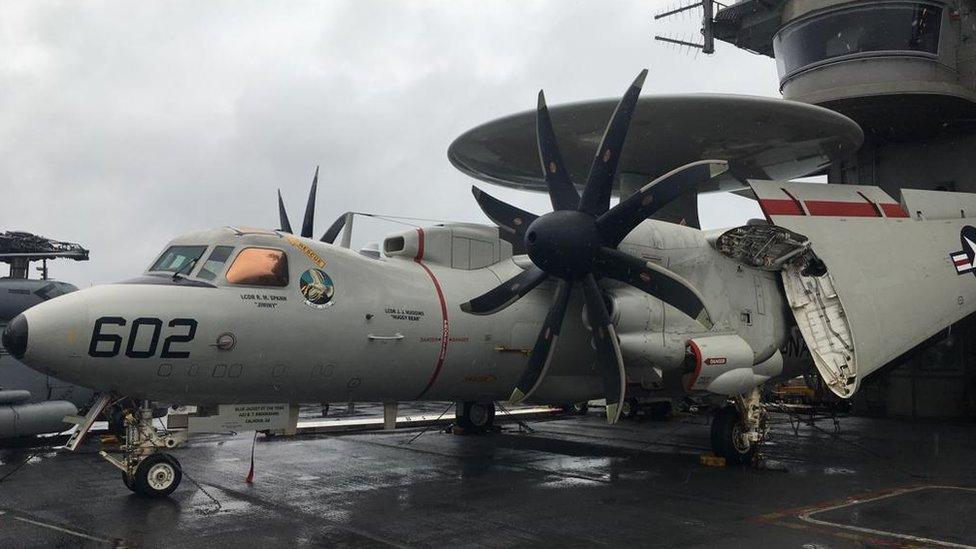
15	336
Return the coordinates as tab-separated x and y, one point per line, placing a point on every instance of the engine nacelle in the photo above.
725	364
12	396
456	245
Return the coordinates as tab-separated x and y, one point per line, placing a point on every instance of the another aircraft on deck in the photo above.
606	304
32	403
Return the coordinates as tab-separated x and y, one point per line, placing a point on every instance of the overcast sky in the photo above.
124	124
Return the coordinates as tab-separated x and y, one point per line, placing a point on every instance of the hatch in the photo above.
822	321
810	292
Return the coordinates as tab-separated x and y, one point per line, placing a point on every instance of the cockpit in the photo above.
221	264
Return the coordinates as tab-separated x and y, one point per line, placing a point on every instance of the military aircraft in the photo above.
605	304
32	403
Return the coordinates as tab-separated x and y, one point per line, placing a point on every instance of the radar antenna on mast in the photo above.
18	249
708	36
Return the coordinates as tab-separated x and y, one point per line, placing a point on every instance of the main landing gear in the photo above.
739	428
474	417
146	470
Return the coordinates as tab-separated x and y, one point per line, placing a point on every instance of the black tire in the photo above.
630	408
157	476
474	417
725	440
128	481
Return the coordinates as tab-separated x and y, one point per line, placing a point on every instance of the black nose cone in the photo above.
15	336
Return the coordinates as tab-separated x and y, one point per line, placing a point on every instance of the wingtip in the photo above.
476	192
541	103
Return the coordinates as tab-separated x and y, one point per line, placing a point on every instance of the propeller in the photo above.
576	245
309	220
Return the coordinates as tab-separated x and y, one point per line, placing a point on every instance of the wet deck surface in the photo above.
573	482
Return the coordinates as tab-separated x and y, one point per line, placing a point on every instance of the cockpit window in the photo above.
259	267
178	258
215	262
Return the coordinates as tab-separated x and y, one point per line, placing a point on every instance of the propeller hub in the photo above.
564	243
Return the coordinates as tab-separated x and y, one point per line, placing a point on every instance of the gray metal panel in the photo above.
933	204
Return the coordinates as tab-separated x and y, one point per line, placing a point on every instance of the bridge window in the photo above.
259	267
893	29
178	259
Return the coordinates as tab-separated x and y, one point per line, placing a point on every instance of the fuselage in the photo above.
340	326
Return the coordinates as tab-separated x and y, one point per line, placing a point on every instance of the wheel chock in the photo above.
709	459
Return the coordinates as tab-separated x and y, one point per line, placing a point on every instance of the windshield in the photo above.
215	262
176	258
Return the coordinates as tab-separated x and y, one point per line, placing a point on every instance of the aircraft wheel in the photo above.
630	407
729	437
157	476
475	417
128	481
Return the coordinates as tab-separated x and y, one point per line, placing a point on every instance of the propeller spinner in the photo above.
576	244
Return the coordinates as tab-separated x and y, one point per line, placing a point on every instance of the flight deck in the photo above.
567	481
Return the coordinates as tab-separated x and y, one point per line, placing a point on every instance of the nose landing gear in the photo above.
146	470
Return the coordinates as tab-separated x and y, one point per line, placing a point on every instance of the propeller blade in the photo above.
596	194
334	229
654	280
283	215
607	348
545	345
562	193
506	293
307	224
622	218
506	216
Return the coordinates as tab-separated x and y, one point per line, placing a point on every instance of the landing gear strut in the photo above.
146	470
739	428
474	417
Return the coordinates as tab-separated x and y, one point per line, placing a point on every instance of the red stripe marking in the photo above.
690	382
893	210
832	208
874	207
445	328
780	206
963	261
840	209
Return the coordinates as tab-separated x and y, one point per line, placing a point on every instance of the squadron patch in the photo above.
963	259
316	288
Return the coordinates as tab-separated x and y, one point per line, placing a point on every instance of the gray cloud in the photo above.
124	124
